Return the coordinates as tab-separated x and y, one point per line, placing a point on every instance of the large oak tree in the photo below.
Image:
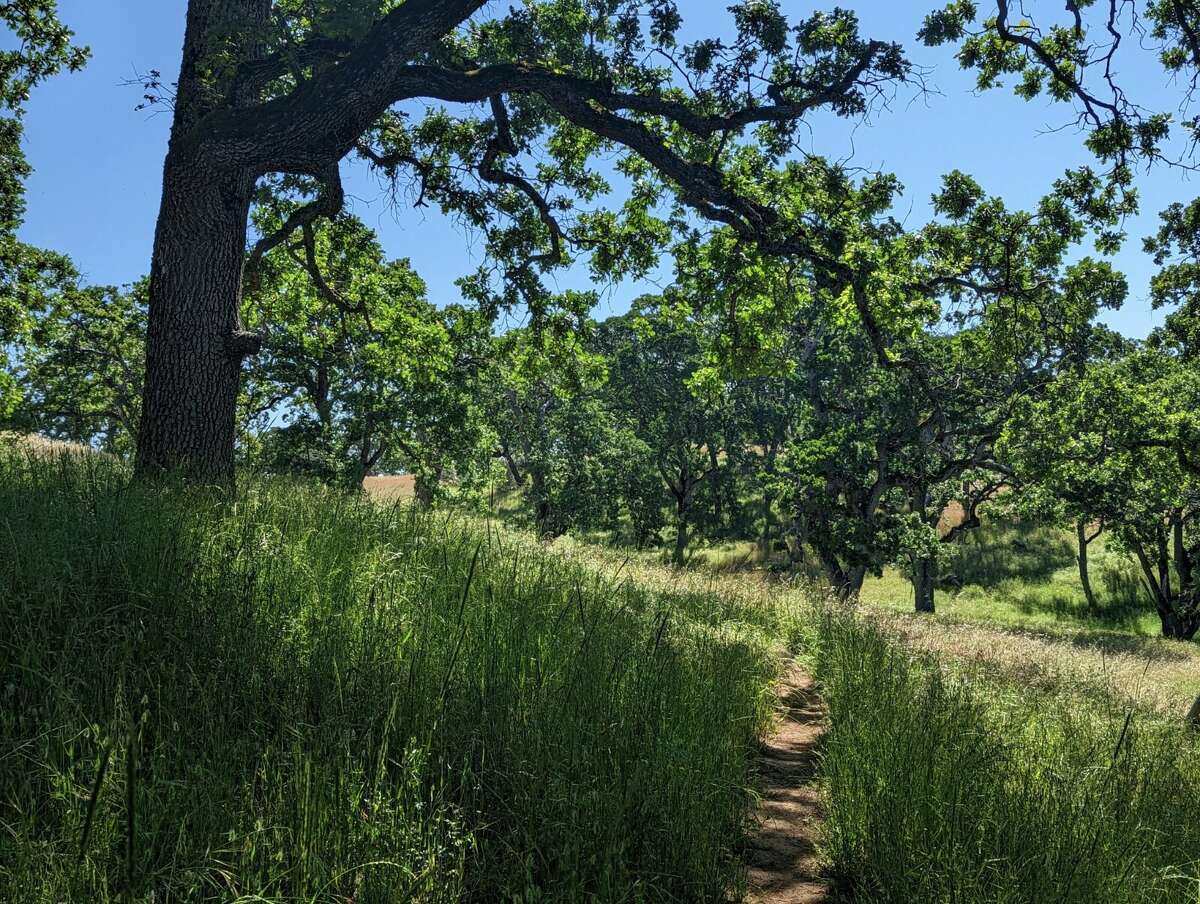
284	86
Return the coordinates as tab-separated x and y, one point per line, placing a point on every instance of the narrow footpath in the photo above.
781	853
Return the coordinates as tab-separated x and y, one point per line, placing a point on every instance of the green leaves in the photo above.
1077	60
1110	440
948	24
363	367
80	366
43	47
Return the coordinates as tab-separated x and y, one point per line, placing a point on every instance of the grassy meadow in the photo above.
1026	576
301	696
297	695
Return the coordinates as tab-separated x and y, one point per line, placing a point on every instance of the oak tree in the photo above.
283	86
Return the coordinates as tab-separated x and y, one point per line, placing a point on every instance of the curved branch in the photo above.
327	204
328	292
1090	101
502	143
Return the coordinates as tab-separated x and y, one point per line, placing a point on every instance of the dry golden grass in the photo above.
42	445
1147	672
391	487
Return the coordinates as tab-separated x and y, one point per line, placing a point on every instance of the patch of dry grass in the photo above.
391	487
42	445
1146	672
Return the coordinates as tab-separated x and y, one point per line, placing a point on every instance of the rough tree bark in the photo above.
679	553
194	341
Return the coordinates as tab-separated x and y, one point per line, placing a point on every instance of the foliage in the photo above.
79	367
1114	442
39	46
1077	60
690	435
559	440
363	367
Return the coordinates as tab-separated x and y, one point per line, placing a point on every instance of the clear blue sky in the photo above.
95	190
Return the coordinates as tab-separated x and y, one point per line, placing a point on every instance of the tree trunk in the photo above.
1181	626
839	582
681	535
195	343
1178	626
515	477
1193	716
764	538
1084	577
924	580
194	340
541	499
855	579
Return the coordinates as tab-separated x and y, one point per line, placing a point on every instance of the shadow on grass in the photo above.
1064	606
1150	648
1000	552
1117	629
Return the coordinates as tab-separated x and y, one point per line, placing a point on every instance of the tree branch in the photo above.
327	204
502	143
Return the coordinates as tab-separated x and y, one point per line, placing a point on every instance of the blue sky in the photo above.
98	162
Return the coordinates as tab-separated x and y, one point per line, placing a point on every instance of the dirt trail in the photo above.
781	854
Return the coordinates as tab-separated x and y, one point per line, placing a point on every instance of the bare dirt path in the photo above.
781	853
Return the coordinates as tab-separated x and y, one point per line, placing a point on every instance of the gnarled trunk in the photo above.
924	581
1179	618
194	342
1177	625
1084	577
845	582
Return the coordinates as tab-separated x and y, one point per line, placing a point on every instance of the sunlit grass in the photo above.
946	784
299	696
1028	578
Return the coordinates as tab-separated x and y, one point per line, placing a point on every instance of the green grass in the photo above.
299	696
293	695
945	786
1027	577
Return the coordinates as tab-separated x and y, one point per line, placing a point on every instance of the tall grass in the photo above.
298	696
943	789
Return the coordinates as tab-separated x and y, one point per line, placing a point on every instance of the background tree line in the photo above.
819	378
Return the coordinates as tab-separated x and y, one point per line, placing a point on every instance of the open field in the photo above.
1027	577
390	487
